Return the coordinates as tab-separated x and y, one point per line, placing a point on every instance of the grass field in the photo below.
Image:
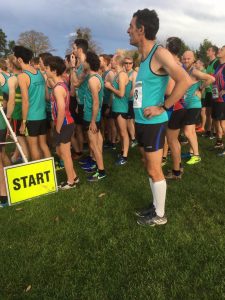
77	245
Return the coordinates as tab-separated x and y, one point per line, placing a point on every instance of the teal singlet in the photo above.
120	105
107	92
81	90
149	91
130	84
5	87
36	93
88	103
2	120
191	100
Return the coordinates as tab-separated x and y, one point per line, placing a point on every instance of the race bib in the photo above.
138	95
215	92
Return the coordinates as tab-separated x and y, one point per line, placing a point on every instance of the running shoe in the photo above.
200	130
142	213
121	161
164	161
218	145
96	177
171	175
87	166
152	220
85	160
67	186
134	143
222	154
194	160
63	183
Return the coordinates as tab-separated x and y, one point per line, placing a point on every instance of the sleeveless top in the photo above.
17	112
149	90
191	100
88	103
107	93
36	93
219	84
68	118
120	105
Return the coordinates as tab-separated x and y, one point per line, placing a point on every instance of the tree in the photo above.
9	49
3	43
84	33
36	41
201	52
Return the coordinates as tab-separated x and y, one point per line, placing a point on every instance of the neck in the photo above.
82	58
15	71
212	58
119	69
28	67
222	60
92	72
145	47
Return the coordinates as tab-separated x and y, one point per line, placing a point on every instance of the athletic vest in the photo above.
17	112
190	99
211	70
88	103
149	90
67	119
36	93
120	105
107	93
219	84
5	86
81	90
130	85
2	121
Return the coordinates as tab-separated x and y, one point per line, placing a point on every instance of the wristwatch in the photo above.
165	108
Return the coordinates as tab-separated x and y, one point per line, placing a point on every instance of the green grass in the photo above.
77	245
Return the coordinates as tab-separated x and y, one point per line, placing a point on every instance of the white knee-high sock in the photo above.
159	192
151	182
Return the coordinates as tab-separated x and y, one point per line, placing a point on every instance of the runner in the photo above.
121	91
213	63
92	113
14	108
193	104
149	107
176	119
108	124
218	94
32	85
132	74
79	82
64	124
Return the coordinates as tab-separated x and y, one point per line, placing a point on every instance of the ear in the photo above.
142	30
20	61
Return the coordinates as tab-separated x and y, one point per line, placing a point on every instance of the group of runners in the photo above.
59	104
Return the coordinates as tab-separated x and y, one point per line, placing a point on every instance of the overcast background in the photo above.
192	20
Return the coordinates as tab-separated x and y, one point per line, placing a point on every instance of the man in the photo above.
64	124
32	86
149	107
79	82
213	63
218	95
132	74
92	114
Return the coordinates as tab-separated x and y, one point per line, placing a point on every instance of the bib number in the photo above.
138	95
215	92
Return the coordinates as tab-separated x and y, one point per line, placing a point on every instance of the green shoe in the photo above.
194	160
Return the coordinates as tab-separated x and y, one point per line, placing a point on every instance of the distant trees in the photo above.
84	33
36	41
5	46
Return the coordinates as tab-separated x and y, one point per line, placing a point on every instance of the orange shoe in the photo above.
200	130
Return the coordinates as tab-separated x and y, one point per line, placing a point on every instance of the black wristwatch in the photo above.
165	108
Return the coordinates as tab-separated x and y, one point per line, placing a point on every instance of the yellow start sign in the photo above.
29	180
